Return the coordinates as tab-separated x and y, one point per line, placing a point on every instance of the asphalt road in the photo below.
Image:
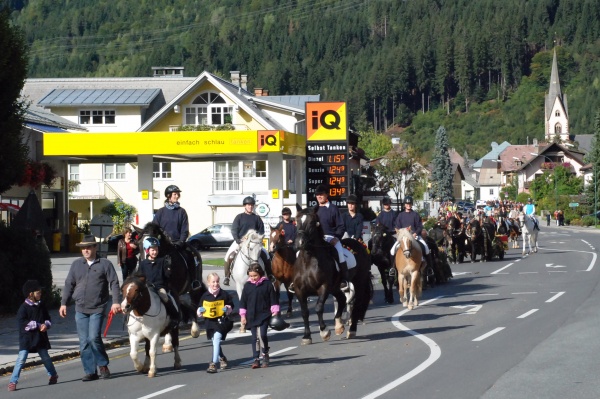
524	327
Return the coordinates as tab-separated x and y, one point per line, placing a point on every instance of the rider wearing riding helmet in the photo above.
289	227
529	210
387	216
243	223
410	218
333	228
157	273
353	220
172	218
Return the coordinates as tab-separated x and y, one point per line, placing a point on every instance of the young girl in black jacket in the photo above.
215	305
258	303
33	321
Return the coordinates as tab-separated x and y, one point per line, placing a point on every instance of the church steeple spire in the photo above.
555	107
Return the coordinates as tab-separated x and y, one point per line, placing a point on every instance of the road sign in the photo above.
573	204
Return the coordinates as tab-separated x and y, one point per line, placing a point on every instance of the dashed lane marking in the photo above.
524	315
488	334
558	295
152	395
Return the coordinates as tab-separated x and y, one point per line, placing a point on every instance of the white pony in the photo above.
528	232
249	253
147	319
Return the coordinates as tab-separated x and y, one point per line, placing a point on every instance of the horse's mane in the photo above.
401	233
134	278
253	236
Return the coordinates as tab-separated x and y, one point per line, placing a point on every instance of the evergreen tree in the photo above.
13	71
593	157
442	167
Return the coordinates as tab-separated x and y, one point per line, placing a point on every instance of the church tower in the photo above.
556	110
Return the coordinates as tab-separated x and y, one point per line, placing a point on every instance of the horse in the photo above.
380	244
148	320
514	232
456	240
249	253
282	263
361	284
408	265
480	239
529	233
186	272
315	273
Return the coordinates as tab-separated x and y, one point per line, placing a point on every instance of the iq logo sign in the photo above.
326	121
268	141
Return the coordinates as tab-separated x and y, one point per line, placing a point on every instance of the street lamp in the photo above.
517	194
554	177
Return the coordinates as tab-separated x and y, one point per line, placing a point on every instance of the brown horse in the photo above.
408	265
186	272
282	263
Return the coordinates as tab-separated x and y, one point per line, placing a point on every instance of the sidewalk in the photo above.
63	334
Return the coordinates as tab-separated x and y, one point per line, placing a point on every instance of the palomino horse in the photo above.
249	253
282	263
529	233
408	265
315	273
380	245
148	318
186	272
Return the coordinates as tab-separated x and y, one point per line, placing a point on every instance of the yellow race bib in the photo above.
214	309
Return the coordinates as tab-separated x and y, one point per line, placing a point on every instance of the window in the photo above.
557	113
557	128
114	171
162	170
74	177
97	117
255	168
227	176
491	191
74	171
208	109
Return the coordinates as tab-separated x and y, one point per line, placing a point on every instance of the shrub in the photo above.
575	222
587	221
23	257
429	223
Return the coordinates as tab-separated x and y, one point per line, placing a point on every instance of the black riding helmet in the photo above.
249	200
321	189
171	189
408	200
277	323
386	201
352	199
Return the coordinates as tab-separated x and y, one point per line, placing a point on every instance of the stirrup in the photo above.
291	288
346	288
226	281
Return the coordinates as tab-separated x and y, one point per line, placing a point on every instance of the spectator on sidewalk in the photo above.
88	283
33	321
127	251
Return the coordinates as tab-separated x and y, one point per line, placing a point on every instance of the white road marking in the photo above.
557	271
474	309
528	272
523	293
488	334
272	354
174	387
558	295
254	396
454	274
485	294
592	263
499	270
550	265
435	353
524	315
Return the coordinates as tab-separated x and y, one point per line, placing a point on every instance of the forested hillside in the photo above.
480	67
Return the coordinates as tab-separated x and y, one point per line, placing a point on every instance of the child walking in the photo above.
258	303
215	305
33	321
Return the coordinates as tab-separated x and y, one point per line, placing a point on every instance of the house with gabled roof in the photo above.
134	113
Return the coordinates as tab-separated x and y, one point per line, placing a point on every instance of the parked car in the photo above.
217	235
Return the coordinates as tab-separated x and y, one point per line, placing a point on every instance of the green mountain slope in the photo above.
388	59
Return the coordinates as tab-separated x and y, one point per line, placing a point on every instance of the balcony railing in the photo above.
238	186
94	189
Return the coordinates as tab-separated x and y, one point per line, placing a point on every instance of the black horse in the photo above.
315	273
380	244
480	238
186	271
456	239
